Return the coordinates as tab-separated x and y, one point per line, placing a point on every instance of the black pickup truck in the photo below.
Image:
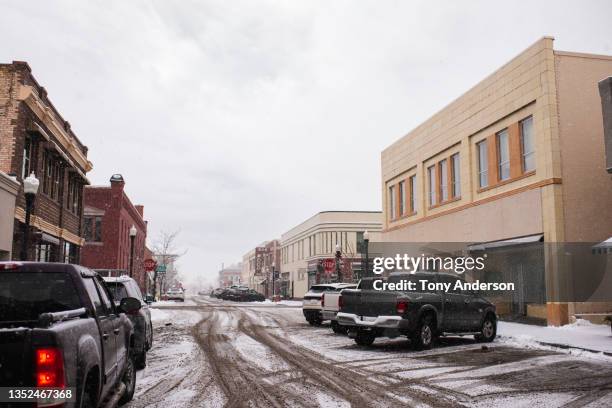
371	311
59	328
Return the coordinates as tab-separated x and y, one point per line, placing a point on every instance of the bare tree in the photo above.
166	253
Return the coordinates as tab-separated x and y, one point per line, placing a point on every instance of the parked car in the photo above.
421	315
311	305
59	327
217	292
242	294
175	294
123	287
330	305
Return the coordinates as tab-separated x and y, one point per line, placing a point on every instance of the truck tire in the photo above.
337	328
315	321
140	360
423	337
488	331
129	380
365	338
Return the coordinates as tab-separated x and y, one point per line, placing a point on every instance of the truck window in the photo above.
90	286
104	295
117	289
25	295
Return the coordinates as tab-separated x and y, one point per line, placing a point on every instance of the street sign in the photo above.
150	264
161	269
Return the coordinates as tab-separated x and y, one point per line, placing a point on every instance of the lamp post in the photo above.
273	276
133	232
338	258
30	188
366	243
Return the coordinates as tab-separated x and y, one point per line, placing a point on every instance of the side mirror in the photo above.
130	305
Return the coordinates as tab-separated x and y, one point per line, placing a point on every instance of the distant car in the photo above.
121	288
311	305
253	296
217	292
175	294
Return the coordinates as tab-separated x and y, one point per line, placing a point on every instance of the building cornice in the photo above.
46	115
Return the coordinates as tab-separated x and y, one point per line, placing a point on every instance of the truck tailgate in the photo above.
369	302
15	357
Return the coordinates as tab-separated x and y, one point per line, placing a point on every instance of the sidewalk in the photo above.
582	335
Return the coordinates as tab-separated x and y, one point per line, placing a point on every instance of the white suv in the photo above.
311	306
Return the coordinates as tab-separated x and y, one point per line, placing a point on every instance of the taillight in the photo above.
401	306
323	300
10	265
49	368
340	301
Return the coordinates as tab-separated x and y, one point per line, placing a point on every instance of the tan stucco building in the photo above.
9	188
306	245
520	156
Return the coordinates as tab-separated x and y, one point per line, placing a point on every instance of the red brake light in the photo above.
10	265
323	300
340	301
49	368
401	306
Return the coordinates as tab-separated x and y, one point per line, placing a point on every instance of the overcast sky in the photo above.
234	121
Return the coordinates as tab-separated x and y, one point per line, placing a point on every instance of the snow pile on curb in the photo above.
581	334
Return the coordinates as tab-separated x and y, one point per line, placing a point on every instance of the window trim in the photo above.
501	165
522	145
482	170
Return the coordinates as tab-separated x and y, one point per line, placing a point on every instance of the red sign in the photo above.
149	264
329	265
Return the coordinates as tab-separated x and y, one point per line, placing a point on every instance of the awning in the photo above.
50	238
507	242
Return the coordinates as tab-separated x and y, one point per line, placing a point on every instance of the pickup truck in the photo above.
311	304
421	314
330	305
59	328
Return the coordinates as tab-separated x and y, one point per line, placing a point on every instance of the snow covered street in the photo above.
211	353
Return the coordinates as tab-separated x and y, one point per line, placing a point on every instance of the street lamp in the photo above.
338	257
133	232
30	188
366	243
273	275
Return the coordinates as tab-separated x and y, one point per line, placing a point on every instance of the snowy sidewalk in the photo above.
582	335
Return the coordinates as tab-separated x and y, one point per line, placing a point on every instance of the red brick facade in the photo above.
109	215
35	138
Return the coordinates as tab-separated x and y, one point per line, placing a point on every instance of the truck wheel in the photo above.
365	338
337	328
315	321
88	397
141	360
129	380
488	331
424	334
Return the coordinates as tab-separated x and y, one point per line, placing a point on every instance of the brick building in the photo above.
512	166
35	138
230	275
108	217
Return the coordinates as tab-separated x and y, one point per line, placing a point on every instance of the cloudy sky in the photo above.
233	121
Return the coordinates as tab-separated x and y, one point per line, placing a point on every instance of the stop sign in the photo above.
150	264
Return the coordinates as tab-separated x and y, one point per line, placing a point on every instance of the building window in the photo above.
503	155
483	175
412	187
456	175
92	228
402	195
527	144
431	175
27	158
73	200
392	202
444	180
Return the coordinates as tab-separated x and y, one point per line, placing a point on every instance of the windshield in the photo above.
25	295
117	289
